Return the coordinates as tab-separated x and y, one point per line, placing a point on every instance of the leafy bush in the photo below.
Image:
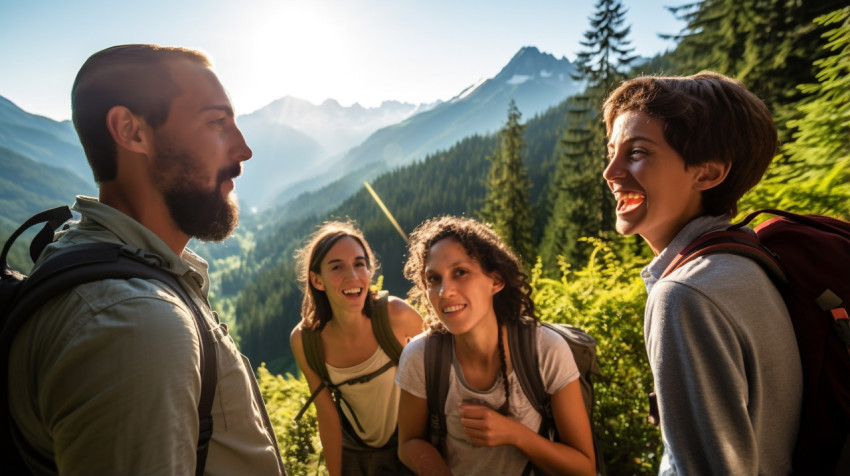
606	299
298	440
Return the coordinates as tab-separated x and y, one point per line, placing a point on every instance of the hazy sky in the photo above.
362	51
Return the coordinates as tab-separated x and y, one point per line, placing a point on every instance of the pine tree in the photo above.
768	44
813	175
581	204
507	207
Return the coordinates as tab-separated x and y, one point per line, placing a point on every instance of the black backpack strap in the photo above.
438	361
90	262
383	330
52	219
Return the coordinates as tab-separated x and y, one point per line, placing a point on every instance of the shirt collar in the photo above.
695	228
133	233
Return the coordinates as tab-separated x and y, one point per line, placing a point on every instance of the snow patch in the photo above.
519	79
468	91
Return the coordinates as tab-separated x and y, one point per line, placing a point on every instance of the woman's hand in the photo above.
487	427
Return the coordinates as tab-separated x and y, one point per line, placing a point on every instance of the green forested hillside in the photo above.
27	187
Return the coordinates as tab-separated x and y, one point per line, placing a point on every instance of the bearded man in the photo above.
106	378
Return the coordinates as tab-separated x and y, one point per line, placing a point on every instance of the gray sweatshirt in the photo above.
724	361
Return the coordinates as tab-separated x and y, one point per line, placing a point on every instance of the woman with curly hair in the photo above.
474	288
336	348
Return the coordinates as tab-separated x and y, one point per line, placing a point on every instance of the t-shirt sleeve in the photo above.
557	364
410	376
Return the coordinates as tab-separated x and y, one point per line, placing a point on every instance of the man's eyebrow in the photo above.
223	108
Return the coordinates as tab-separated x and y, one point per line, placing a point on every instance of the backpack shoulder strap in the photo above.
383	330
312	342
731	242
438	361
52	219
98	261
522	342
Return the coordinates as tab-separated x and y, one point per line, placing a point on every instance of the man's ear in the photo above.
316	281
128	130
711	174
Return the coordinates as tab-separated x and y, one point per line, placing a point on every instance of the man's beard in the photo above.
199	213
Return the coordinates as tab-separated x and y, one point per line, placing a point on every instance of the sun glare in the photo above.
288	36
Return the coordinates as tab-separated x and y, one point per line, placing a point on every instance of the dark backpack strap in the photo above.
731	242
98	261
438	361
51	218
383	330
830	226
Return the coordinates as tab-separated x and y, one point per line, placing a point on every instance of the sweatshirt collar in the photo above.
694	229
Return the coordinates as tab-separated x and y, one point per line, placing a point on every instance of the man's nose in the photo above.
243	152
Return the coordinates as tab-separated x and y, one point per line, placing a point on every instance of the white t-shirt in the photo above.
557	367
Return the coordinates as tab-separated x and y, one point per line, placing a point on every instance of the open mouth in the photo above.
628	201
352	291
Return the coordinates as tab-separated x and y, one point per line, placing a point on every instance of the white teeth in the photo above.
449	309
628	195
352	291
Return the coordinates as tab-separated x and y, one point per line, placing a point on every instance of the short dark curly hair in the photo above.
512	303
706	117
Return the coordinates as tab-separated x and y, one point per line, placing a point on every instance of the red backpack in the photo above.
808	258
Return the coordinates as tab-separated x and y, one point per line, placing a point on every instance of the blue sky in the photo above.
362	51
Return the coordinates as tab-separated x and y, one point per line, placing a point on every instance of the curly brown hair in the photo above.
315	307
512	303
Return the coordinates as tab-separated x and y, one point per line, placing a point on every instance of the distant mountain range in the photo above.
293	139
535	80
301	147
42	139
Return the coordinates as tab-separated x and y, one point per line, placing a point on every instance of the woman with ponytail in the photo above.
474	288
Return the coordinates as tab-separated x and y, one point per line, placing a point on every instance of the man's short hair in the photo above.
706	117
137	77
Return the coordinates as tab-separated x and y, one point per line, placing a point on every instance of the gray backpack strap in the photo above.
522	341
438	360
383	330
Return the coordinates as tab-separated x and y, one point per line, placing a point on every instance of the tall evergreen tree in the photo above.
768	44
581	204
507	207
813	174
